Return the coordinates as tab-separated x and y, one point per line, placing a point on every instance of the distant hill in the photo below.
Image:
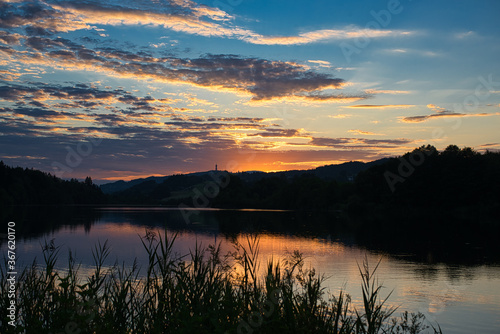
150	191
254	189
345	172
113	187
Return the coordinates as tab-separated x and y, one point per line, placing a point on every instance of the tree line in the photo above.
24	186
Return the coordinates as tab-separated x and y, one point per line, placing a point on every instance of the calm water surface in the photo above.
461	298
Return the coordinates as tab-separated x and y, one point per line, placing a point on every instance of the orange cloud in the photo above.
381	106
260	79
340	116
368	133
322	35
443	114
181	16
382	91
435	108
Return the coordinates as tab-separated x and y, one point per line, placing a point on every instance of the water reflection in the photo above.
461	297
36	221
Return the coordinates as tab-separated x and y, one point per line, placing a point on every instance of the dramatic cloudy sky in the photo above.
125	89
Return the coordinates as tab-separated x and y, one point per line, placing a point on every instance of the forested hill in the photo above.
430	197
19	186
425	181
321	188
345	172
424	184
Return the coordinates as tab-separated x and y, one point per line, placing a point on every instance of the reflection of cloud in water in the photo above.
435	301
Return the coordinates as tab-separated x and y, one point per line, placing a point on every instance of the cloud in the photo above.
398	50
261	79
38	15
381	106
467	34
278	133
180	16
489	145
440	112
200	125
41	92
443	114
321	63
43	43
353	143
85	104
309	100
187	19
418	52
437	109
323	35
366	133
385	91
82	109
239	119
9	38
340	116
37	113
194	101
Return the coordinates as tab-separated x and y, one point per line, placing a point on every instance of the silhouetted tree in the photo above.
88	181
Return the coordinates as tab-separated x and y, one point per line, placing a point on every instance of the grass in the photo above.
200	292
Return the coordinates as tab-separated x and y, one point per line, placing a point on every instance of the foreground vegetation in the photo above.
202	292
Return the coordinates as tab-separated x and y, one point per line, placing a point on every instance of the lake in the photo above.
462	296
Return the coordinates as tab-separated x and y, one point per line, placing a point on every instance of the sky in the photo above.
128	89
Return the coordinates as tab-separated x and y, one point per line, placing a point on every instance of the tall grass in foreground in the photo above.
201	292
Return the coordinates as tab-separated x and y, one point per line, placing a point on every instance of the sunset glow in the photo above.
127	89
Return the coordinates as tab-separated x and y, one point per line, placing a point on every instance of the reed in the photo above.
204	291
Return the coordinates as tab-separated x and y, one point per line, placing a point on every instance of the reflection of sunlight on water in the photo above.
335	260
447	294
